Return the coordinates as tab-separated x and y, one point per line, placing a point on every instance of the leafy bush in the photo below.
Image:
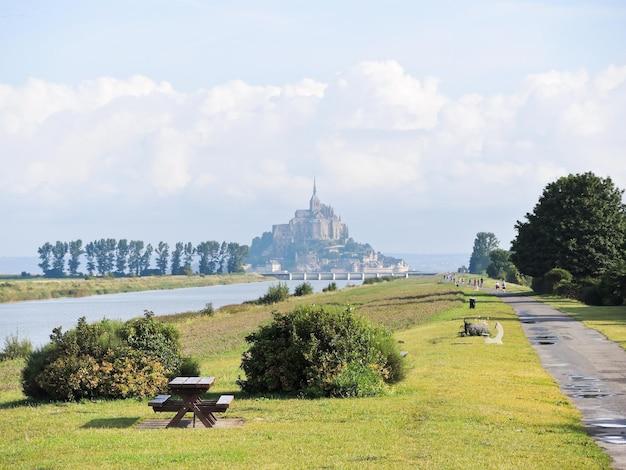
357	380
376	280
567	289
208	310
108	359
275	294
152	337
15	348
331	287
553	277
320	351
189	367
303	289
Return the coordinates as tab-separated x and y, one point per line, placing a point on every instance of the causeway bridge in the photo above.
349	276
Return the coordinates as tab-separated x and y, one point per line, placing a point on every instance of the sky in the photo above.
423	122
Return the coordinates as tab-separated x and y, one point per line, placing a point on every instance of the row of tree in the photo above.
109	256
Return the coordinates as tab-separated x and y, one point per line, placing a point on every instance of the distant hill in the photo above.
434	263
17	264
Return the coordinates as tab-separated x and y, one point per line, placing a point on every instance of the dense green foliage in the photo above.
579	224
331	287
554	279
303	289
320	351
134	258
15	348
376	280
484	244
108	359
274	294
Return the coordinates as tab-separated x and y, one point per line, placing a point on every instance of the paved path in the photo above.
590	369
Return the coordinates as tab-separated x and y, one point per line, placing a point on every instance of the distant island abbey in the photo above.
315	240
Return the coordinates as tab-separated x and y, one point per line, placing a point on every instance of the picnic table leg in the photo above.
179	416
206	420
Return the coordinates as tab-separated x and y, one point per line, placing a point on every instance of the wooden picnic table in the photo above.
190	389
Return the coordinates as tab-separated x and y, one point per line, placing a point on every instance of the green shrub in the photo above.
107	359
331	287
553	277
15	348
189	367
320	351
357	380
303	289
376	280
275	294
567	289
208	310
152	337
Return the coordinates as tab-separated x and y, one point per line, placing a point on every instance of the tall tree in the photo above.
163	252
177	256
76	250
45	251
236	255
121	256
90	253
59	250
223	257
110	247
214	257
189	251
579	224
146	259
484	243
101	256
134	257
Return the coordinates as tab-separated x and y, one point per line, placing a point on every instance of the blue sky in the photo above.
424	122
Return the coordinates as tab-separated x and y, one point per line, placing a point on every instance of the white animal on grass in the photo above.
499	335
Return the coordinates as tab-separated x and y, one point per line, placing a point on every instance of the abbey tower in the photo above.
318	222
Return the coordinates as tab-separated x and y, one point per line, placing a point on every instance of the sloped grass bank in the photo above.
464	404
12	290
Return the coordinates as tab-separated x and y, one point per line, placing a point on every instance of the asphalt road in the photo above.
589	368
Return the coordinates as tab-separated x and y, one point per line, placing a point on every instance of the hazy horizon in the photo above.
424	124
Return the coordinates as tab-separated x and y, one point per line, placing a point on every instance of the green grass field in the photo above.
12	290
610	321
464	404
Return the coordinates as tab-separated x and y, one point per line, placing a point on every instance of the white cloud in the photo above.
374	130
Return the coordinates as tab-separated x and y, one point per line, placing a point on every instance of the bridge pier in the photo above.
334	276
377	275
406	275
348	276
319	276
362	276
304	276
290	276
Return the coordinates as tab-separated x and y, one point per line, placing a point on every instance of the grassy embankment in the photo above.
610	321
33	289
464	404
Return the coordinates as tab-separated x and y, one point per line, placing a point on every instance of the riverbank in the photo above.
463	404
37	289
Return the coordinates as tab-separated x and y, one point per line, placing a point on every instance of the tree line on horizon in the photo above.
111	257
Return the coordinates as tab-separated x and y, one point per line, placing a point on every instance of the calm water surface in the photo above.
35	319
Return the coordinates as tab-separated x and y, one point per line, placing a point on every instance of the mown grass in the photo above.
610	321
33	289
464	404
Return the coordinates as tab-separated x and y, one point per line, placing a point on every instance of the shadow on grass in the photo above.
110	423
24	402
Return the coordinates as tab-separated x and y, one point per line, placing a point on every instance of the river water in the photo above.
35	319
